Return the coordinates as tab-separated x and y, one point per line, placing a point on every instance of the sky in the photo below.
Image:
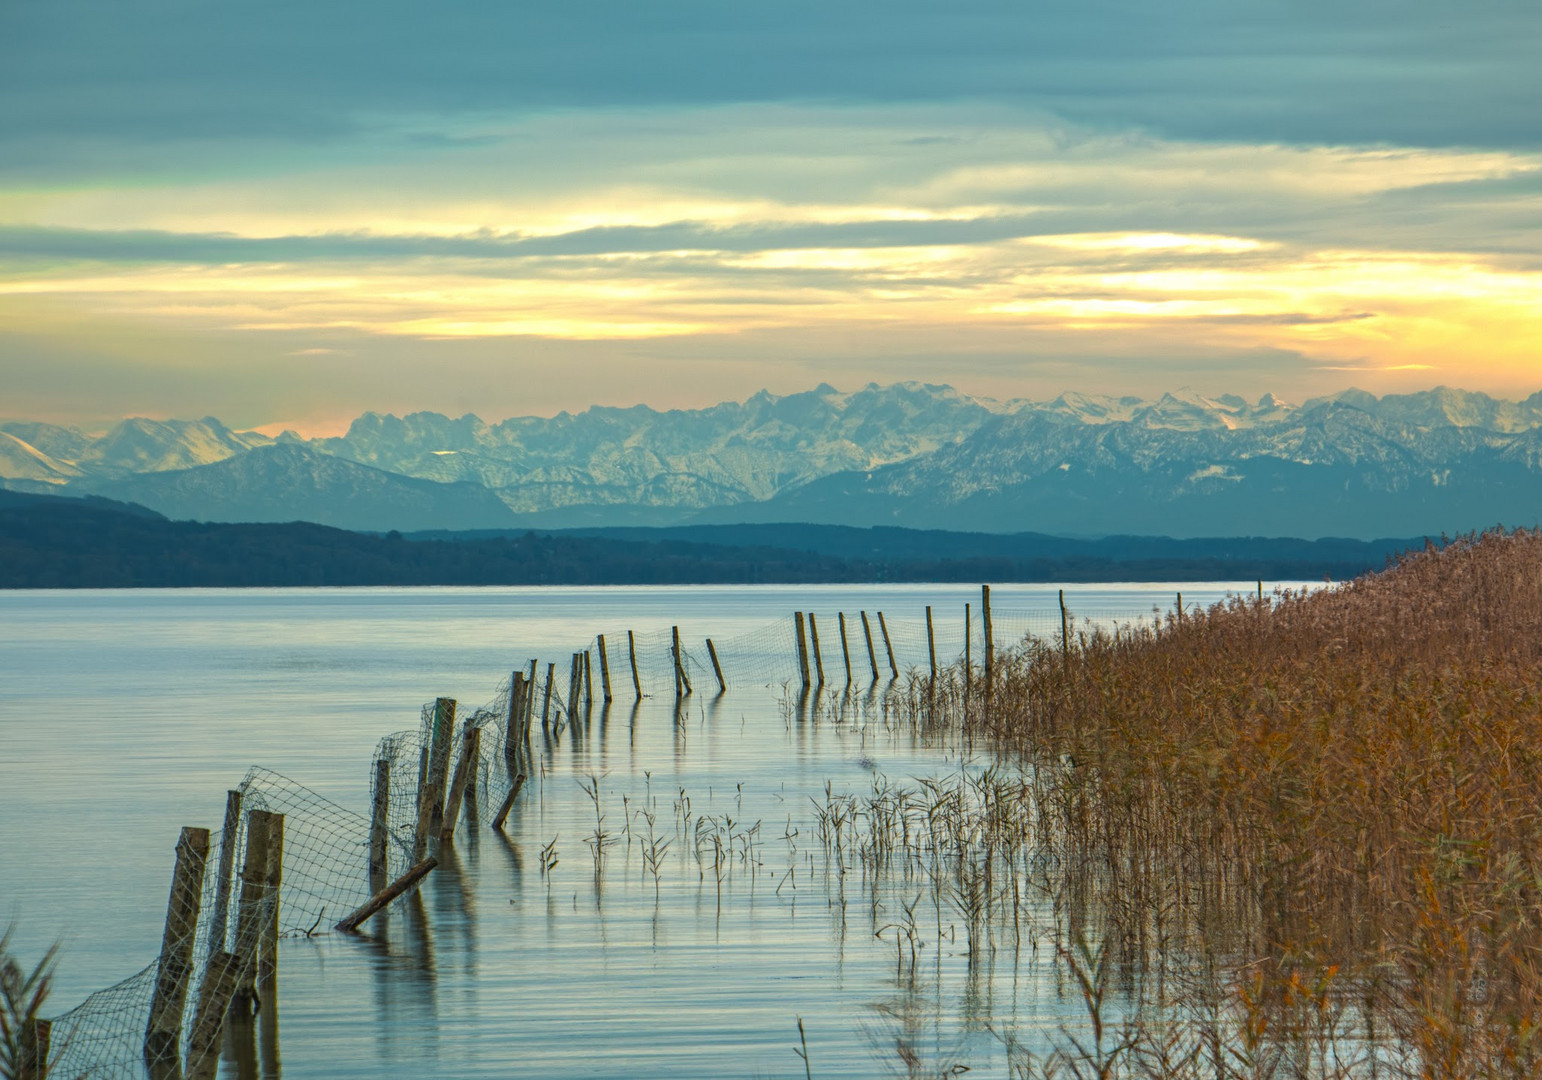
285	214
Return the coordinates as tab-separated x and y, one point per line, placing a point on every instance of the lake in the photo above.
125	715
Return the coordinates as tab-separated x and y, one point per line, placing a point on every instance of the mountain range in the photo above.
910	455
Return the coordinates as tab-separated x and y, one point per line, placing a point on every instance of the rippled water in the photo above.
124	715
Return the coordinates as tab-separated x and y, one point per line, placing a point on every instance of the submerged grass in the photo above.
1299	836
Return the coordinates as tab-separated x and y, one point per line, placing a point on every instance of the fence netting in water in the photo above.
326	849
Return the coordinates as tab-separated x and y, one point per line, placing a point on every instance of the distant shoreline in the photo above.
51	543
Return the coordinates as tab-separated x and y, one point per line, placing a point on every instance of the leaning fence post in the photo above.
379	823
214	994
819	660
575	685
931	641
163	1033
845	648
681	678
386	895
465	770
990	641
604	670
872	657
219	920
722	687
797	618
888	645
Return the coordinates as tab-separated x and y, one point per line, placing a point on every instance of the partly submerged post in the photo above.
931	641
465	772
631	650
604	669
219	919
682	680
872	657
990	641
717	668
258	906
888	645
386	895
845	647
431	790
797	618
819	660
379	824
163	1034
551	670
208	1033
588	682
517	723
1065	630
575	684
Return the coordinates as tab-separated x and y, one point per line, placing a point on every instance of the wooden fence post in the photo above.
465	771
163	1034
931	641
968	634
722	686
588	682
845	647
631	651
551	670
575	685
258	905
797	618
379	825
819	660
517	723
219	919
386	895
431	790
872	657
208	1033
604	670
888	645
681	678
1065	631
990	641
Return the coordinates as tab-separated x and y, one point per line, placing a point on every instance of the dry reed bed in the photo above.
1300	836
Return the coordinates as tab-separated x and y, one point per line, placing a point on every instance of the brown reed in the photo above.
1319	814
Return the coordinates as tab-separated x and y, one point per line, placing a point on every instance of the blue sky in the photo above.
288	213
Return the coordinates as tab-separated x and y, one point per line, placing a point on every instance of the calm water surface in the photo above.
127	714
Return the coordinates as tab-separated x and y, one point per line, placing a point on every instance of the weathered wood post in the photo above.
517	723
931	641
888	645
681	678
717	668
257	908
968	634
631	651
465	772
219	919
36	1037
551	670
431	791
819	660
588	682
845	647
208	1033
386	895
1065	631
872	656
990	641
163	1034
379	825
1180	607
604	670
575	685
797	618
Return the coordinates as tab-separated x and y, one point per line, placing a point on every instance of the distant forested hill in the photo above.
50	542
